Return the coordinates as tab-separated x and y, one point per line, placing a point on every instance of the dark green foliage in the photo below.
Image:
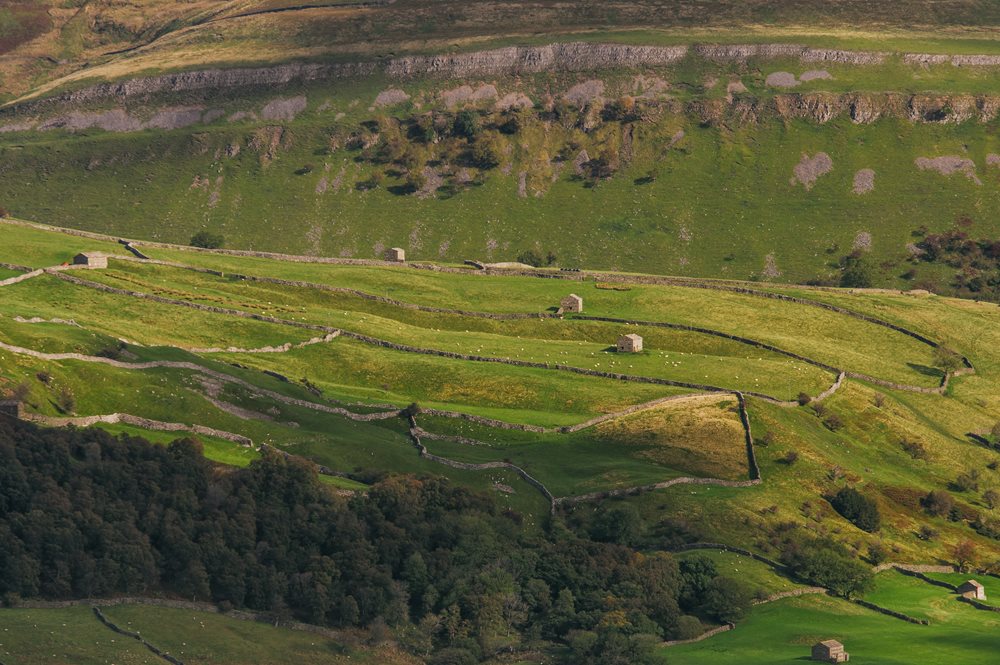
938	503
976	262
878	553
857	273
689	627
828	563
619	524
84	514
727	600
486	151
697	573
612	647
946	359
207	240
857	509
467	124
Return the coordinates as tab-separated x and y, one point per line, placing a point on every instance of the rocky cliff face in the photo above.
744	52
577	56
64	110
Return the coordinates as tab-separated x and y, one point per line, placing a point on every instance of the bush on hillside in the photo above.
858	509
206	240
938	503
946	359
829	564
857	273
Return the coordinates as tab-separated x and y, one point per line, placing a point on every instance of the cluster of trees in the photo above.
454	576
479	139
976	261
827	563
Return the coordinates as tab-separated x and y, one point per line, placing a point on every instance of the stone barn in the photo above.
830	651
12	408
396	254
572	303
972	589
91	260
629	344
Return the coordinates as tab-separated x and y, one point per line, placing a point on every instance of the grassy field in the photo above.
784	631
681	222
700	436
74	635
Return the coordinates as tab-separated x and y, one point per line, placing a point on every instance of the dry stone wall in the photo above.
704	636
414	432
642	489
791	593
891	613
135	636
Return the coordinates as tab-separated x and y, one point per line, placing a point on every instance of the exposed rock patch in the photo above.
814	75
744	52
467	94
514	100
582	94
734	88
862	242
650	87
809	169
864	181
770	267
432	182
781	80
992	159
283	109
949	165
390	97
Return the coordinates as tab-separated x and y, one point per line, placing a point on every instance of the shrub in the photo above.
803	399
857	274
206	240
833	422
688	628
927	533
991	498
20	392
791	457
946	359
965	554
467	124
858	509
879	400
914	449
66	400
938	503
878	553
968	481
530	257
486	151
